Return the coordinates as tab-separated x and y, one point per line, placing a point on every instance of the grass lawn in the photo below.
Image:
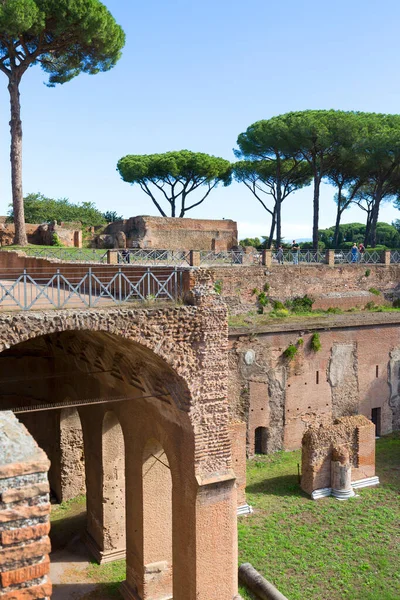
324	550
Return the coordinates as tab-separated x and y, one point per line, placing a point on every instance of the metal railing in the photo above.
83	255
179	258
349	257
25	291
301	257
230	257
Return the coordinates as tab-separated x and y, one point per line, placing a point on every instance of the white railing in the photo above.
208	258
25	291
178	258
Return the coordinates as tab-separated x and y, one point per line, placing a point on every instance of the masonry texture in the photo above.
355	435
24	514
355	371
169	233
343	287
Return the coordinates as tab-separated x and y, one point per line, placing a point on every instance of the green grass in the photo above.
72	252
324	550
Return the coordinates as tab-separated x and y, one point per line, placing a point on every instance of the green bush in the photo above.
374	291
396	303
300	305
370	306
263	299
266	287
315	342
300	342
278	305
334	310
290	352
56	241
281	313
218	286
367	272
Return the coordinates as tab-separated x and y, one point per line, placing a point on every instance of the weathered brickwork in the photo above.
340	286
24	514
355	434
356	370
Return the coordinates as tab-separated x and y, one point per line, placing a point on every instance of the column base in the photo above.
103	556
128	593
343	494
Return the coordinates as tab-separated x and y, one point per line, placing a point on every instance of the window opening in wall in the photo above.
261	440
376	419
377	371
317	377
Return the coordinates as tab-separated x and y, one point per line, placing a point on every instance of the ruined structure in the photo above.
68	234
169	233
355	371
348	445
24	514
149	387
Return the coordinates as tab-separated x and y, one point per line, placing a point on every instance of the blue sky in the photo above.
195	75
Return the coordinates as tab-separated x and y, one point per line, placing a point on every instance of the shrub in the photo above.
334	310
279	305
255	292
281	313
218	286
374	291
300	305
367	272
370	306
396	303
290	352
56	241
315	342
266	287
300	342
263	299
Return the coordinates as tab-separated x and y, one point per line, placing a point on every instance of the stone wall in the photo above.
340	286
356	434
170	234
355	371
24	514
69	234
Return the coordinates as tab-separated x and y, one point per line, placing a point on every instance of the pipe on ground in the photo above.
262	588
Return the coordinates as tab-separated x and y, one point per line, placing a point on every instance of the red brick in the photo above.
31	593
10	555
38	464
24	512
22	535
16	495
25	574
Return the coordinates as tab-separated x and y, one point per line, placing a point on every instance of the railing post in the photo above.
266	258
120	284
112	257
58	289
385	257
148	283
90	287
330	257
194	258
25	292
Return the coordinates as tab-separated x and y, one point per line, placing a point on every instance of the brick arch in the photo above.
188	345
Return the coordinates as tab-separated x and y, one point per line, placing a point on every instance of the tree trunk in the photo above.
368	228
16	162
278	204
271	233
278	224
374	222
317	183
338	217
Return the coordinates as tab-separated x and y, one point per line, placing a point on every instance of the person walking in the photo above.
279	255
354	253
295	252
361	249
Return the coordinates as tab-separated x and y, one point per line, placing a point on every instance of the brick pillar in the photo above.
267	258
194	258
385	258
112	257
330	257
24	514
238	441
78	239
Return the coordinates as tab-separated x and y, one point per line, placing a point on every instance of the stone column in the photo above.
194	258
330	257
341	474
385	257
72	456
266	258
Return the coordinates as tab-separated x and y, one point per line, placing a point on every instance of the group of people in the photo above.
357	252
295	249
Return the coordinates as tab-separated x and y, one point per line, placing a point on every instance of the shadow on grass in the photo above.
285	485
64	530
85	591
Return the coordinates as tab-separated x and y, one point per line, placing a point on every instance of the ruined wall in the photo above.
69	234
174	234
356	434
24	514
340	286
356	370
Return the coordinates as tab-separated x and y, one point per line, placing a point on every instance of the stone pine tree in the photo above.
173	176
66	38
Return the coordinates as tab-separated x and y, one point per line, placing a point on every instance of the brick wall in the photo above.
24	514
357	434
356	370
340	286
238	441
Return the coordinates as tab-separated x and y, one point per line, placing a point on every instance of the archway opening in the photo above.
157	522
261	440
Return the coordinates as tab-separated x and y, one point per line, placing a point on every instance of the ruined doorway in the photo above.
376	419
261	440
